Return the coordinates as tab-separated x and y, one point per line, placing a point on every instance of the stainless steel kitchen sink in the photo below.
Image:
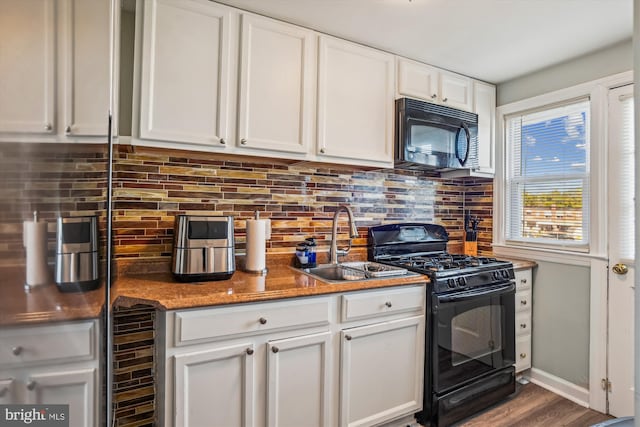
351	271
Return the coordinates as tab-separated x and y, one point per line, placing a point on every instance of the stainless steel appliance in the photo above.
77	254
203	248
470	333
434	137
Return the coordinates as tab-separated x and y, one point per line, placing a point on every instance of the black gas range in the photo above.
470	333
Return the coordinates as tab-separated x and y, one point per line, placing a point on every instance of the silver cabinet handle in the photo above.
48	126
444	99
347	337
243	141
523	302
31	385
222	141
434	96
17	351
322	150
523	325
67	130
523	280
275	349
523	355
249	351
262	320
388	304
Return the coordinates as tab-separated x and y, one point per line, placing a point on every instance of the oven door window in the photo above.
472	335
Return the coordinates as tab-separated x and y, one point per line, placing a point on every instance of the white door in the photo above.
485	107
27	54
74	388
456	91
381	371
185	72
276	103
215	387
298	385
621	251
416	80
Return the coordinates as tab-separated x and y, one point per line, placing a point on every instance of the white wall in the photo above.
612	60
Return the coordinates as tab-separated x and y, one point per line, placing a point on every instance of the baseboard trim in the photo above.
557	385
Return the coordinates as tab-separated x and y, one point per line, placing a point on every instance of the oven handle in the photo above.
475	293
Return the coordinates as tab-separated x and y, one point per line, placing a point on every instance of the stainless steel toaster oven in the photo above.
203	248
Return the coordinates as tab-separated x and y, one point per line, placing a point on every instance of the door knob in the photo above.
620	268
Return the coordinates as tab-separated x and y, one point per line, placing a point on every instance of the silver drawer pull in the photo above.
31	385
347	337
523	302
262	320
523	325
222	141
17	351
523	280
249	351
445	99
275	349
388	304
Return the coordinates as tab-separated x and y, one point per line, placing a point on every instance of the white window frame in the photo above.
597	92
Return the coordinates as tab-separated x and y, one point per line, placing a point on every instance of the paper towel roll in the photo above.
34	239
258	232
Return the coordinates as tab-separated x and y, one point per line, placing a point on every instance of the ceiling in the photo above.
491	40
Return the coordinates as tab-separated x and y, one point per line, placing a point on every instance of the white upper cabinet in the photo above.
185	71
54	63
485	108
355	103
276	102
27	66
421	81
86	75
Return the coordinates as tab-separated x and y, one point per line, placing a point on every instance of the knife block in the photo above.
471	248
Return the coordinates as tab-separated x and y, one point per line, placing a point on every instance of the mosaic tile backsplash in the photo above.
152	185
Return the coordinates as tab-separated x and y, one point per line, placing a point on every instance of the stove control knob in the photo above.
496	274
451	283
462	281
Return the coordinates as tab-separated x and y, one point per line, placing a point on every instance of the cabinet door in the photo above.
298	384
185	71
214	387
456	91
417	80
381	373
27	54
485	108
87	68
74	388
277	82
355	102
7	391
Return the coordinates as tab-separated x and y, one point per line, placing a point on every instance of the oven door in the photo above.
473	334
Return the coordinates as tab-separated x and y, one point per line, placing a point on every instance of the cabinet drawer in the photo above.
523	279
523	323
64	341
523	353
192	326
523	300
380	303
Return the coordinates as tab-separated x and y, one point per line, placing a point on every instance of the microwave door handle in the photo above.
468	136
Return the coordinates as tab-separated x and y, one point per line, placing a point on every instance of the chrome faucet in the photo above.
334	252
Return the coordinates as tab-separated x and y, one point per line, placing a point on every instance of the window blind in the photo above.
548	175
625	185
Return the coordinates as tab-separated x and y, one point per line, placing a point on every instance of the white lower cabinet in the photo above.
289	363
523	319
299	380
379	366
215	387
52	364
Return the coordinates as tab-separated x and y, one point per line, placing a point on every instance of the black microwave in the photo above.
435	137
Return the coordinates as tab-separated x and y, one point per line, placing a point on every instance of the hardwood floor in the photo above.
534	406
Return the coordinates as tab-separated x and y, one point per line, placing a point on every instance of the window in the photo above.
547	176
